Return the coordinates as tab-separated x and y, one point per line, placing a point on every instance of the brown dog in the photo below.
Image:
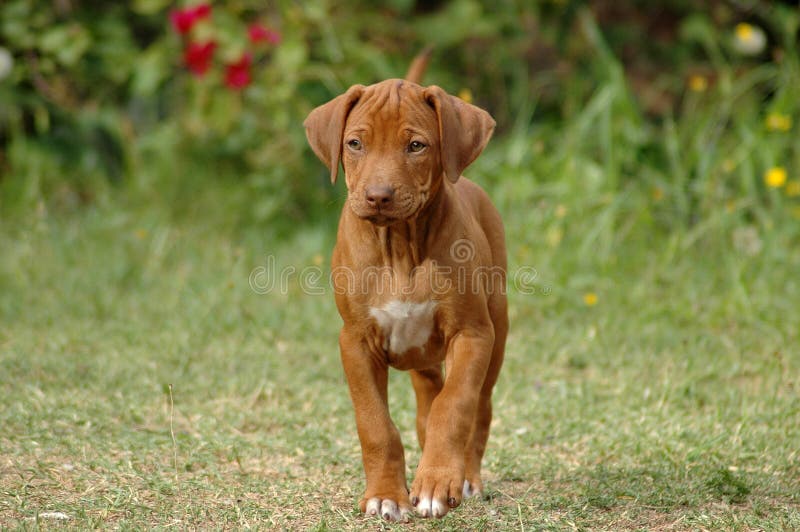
419	274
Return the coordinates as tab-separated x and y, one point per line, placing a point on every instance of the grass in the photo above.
672	403
651	379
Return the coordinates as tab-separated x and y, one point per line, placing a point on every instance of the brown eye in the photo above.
354	144
416	146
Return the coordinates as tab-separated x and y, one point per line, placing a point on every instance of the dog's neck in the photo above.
405	244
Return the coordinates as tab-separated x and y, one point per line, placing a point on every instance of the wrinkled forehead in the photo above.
393	101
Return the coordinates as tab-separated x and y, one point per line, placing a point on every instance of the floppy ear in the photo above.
325	127
464	130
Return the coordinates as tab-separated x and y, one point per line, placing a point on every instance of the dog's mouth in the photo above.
378	216
379	219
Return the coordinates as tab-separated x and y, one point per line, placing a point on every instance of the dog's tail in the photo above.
418	66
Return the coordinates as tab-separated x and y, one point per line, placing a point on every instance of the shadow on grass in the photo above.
662	489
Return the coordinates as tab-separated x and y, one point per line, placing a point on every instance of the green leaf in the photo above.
66	43
15	24
149	7
114	47
455	23
152	68
290	56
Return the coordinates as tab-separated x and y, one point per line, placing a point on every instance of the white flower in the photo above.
746	240
749	39
6	63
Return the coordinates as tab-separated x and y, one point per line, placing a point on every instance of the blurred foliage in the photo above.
100	96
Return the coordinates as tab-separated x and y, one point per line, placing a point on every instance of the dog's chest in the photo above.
404	324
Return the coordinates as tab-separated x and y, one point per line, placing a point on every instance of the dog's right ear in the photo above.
325	127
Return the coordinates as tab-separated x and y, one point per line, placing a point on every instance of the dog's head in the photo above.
396	141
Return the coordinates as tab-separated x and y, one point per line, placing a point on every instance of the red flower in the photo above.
259	33
183	20
202	11
197	56
237	75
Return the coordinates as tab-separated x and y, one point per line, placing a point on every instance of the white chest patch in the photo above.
405	325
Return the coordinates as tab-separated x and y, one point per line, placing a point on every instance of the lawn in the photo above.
152	379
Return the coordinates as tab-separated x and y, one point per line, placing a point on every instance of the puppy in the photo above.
419	272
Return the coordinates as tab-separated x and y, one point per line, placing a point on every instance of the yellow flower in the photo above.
728	166
524	253
744	31
698	83
658	194
554	236
140	234
778	122
466	95
749	39
590	299
318	260
561	211
793	188
775	177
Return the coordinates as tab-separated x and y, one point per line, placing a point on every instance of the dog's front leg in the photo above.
439	481
381	448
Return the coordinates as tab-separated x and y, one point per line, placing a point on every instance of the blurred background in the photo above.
672	112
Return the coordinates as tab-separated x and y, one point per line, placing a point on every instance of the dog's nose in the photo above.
379	195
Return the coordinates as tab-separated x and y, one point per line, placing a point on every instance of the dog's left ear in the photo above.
325	127
464	130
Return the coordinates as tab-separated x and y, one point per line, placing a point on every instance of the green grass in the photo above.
671	403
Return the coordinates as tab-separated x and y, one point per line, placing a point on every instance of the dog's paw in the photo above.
436	490
472	489
389	509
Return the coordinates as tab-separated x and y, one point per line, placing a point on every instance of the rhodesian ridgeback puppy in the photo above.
419	272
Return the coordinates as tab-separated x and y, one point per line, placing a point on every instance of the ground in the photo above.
150	380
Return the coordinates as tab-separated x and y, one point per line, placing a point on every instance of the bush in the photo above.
195	104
